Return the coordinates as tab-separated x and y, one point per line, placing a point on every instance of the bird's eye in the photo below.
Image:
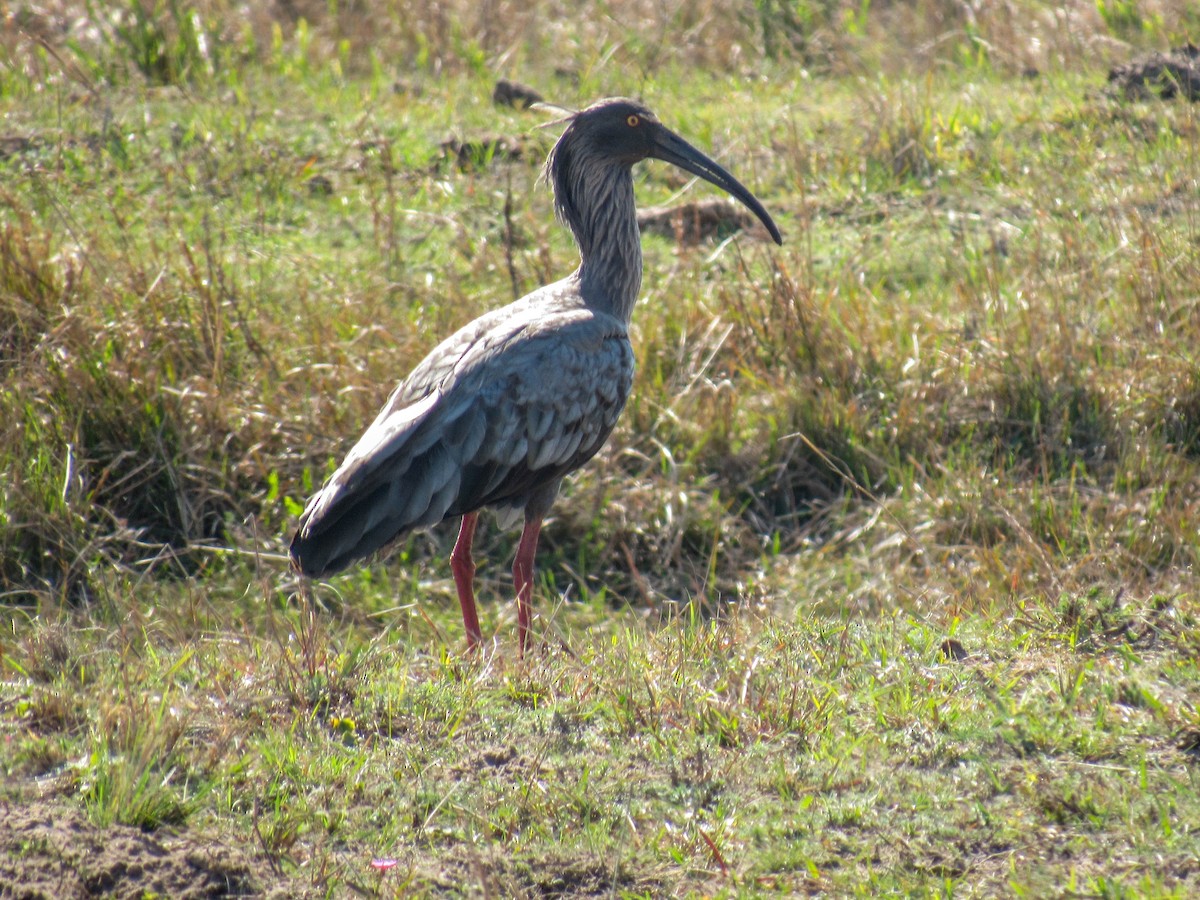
633	121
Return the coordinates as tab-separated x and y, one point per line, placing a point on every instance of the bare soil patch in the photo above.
1166	75
49	849
692	223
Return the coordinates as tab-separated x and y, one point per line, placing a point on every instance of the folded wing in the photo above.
508	419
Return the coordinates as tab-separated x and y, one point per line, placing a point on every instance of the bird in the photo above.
502	410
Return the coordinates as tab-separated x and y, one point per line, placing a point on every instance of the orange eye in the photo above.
633	121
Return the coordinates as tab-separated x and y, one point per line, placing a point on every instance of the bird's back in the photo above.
495	416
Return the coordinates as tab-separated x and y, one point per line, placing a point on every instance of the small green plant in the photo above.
1121	17
167	42
130	775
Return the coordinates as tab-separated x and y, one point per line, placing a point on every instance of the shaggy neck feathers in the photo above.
593	195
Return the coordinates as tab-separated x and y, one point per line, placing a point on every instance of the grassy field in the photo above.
886	583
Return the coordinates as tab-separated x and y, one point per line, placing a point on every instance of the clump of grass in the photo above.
35	523
168	42
1182	418
124	395
133	789
1049	422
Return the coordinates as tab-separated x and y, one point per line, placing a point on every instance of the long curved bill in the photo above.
670	147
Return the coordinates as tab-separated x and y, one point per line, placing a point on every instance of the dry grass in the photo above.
166	42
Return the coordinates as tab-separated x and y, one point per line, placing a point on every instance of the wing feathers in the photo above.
512	416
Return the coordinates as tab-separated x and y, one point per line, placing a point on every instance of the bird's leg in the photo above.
463	568
523	578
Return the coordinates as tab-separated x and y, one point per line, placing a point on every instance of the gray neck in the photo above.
603	219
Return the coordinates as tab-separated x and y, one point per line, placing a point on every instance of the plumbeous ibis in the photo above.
501	410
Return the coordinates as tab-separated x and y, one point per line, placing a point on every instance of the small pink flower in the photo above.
384	864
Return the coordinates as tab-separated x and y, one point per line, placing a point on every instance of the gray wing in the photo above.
516	408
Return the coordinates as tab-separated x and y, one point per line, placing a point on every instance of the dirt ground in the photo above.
1165	75
50	850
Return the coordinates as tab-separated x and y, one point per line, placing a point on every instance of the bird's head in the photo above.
621	132
616	129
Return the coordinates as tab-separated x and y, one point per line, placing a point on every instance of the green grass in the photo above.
885	585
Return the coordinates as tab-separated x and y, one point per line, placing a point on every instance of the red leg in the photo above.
463	568
523	578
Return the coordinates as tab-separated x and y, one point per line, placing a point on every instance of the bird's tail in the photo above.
328	538
399	477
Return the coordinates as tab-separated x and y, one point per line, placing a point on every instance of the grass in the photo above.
886	583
